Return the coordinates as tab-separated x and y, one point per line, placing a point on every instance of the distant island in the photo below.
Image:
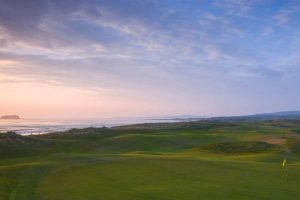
10	117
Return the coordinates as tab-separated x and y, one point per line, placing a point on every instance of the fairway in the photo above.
203	160
170	179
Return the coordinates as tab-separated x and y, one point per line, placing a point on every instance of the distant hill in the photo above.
263	116
10	117
284	113
260	116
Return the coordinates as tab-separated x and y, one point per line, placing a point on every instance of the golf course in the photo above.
208	159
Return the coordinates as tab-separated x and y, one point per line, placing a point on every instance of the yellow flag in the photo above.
283	163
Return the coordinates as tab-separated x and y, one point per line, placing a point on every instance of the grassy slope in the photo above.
198	160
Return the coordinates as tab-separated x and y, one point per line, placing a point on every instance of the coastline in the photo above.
37	127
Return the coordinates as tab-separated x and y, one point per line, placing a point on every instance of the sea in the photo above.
42	126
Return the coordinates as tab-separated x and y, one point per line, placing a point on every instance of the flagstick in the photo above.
286	174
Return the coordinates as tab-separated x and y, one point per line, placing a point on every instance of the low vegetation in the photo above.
240	147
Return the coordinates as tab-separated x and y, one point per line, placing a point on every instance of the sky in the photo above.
130	58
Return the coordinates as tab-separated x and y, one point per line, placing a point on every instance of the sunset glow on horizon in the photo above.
97	59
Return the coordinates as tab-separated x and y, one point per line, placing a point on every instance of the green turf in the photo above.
196	160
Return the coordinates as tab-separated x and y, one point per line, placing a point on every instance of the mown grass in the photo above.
191	160
171	179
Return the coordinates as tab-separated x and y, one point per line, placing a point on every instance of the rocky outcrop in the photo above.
10	117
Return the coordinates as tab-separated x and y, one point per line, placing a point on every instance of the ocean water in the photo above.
41	126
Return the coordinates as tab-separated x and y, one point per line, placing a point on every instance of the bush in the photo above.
239	147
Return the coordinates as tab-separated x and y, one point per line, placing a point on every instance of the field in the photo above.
236	159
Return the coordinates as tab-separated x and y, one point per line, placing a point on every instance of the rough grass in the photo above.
240	147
